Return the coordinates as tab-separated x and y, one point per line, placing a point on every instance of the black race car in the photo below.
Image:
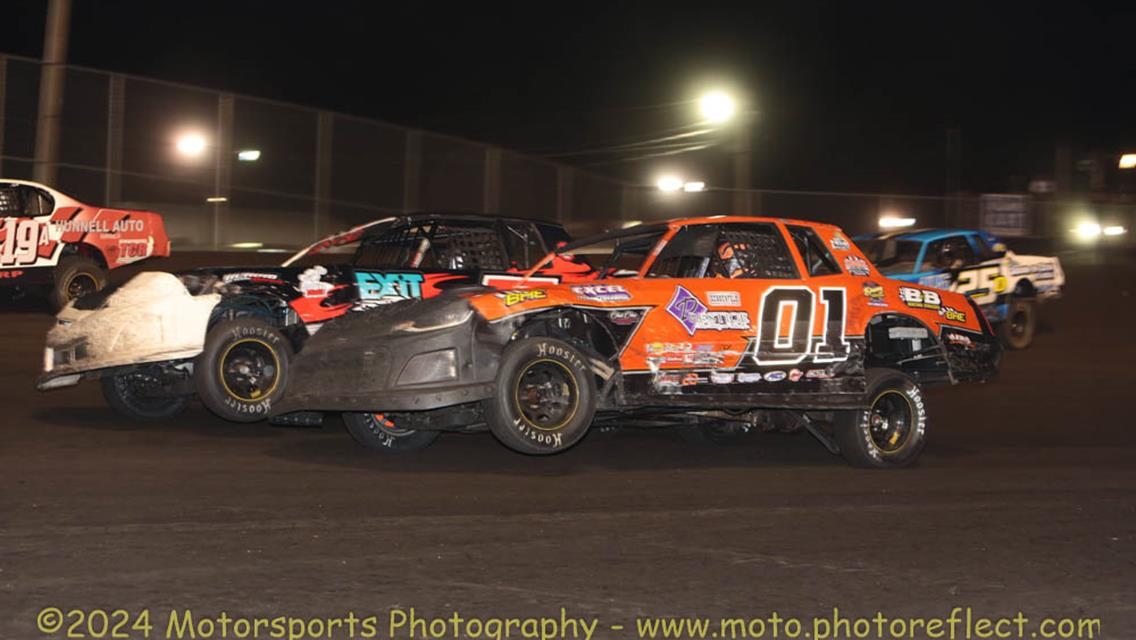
229	334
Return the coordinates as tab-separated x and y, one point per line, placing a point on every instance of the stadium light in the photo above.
248	155
1087	230
895	222
216	199
191	145
717	107
1127	161
669	183
1114	230
694	187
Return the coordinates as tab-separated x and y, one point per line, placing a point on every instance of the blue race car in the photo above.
1007	286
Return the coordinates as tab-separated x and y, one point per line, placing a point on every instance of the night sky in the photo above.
849	96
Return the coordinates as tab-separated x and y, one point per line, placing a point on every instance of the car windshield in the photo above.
891	256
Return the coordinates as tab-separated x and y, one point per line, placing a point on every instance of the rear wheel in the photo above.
1017	329
142	395
545	397
243	369
889	433
379	431
75	277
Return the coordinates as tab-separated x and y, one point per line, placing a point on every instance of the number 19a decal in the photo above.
19	242
795	306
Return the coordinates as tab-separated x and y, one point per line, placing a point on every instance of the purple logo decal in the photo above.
686	308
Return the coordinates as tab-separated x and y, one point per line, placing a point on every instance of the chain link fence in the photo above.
316	171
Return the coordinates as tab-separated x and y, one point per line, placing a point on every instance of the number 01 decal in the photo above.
796	305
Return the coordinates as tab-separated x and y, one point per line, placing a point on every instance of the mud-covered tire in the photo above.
75	276
377	431
1017	330
121	392
243	369
545	396
892	431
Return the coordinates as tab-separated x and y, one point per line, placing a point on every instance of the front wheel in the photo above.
141	395
889	433
379	431
1017	329
243	369
545	396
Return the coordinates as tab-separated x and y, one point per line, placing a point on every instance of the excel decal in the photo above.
786	321
382	287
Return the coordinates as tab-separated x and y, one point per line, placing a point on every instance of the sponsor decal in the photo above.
1043	271
693	315
10	274
105	227
545	350
667	380
388	287
960	339
721	378
668	347
249	275
920	298
952	314
839	242
311	282
874	292
602	292
517	296
907	333
724	298
795	375
775	376
857	266
692	379
818	374
134	250
686	308
624	317
748	377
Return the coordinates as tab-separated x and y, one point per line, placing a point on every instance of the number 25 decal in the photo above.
772	348
19	243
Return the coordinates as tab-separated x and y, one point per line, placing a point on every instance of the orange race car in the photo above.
730	323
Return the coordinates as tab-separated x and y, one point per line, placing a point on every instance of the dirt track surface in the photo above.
1024	500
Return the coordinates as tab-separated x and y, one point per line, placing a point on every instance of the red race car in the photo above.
52	242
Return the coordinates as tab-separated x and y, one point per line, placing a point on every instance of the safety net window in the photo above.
753	251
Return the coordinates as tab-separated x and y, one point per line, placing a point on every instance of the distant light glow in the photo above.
248	155
717	107
247	245
669	183
631	223
216	199
1128	161
1114	230
1087	230
694	187
191	144
896	222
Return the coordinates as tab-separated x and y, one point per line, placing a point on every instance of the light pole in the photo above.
719	108
52	74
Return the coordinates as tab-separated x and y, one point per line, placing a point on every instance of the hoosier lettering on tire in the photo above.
891	432
545	396
243	369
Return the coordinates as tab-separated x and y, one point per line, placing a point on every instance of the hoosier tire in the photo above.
126	394
75	276
891	432
1018	328
243	369
376	431
545	396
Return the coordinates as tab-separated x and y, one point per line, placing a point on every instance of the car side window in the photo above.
22	201
817	259
752	250
956	253
523	244
403	246
687	255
